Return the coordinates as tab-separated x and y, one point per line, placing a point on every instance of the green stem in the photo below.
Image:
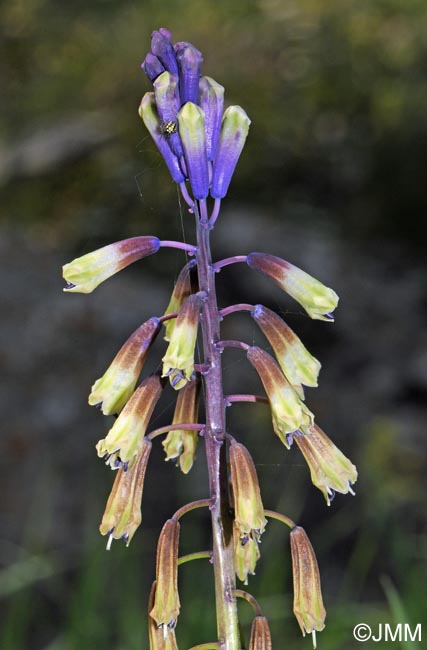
199	555
201	503
207	646
239	593
282	518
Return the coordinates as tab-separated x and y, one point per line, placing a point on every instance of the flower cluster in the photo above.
198	139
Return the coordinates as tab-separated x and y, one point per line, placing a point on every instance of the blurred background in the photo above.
333	179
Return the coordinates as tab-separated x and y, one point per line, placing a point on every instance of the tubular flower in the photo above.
122	514
234	131
296	362
166	94
189	64
330	470
152	66
126	437
166	605
246	554
212	104
157	638
248	509
185	285
191	122
178	362
161	46
181	443
318	301
288	412
117	384
308	604
260	634
85	273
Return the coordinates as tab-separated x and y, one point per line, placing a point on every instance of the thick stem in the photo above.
223	556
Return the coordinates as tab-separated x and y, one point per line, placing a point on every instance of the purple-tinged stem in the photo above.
185	195
230	399
222	531
201	503
279	517
166	243
199	555
232	344
166	317
171	427
204	219
229	260
239	593
242	306
215	213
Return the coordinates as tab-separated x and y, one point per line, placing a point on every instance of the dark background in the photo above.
333	179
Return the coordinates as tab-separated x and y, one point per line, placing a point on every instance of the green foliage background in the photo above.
337	94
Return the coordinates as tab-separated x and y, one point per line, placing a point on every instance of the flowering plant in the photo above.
201	143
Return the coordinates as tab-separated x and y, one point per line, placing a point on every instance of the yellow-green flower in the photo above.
308	603
185	285
166	605
182	443
248	509
125	439
178	362
246	554
117	384
85	273
159	638
122	514
330	470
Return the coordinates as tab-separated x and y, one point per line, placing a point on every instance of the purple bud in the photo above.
167	102
162	47
152	66
192	131
149	115
234	130
166	32
189	63
212	103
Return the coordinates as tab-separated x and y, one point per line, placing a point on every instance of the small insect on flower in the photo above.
168	128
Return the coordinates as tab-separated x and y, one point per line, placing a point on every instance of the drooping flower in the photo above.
85	273
296	362
189	64
288	412
260	634
318	301
330	470
122	514
234	131
248	509
191	122
156	635
178	362
185	285
182	443
308	603
166	605
246	554
117	384
212	104
125	439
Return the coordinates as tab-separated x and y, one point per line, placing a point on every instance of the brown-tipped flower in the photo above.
248	509
122	514
330	470
288	412
178	362
185	285
318	301
125	439
182	443
296	362
308	604
117	384
246	554
85	273
260	634
156	635
166	606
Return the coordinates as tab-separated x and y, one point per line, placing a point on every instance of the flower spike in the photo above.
85	273
234	131
166	606
117	384
182	443
122	514
330	470
126	437
178	362
318	301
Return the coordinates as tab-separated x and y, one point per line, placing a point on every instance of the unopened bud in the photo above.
260	634
85	273
212	104
318	301
234	131
182	443
191	122
122	514
152	66
330	470
166	606
189	63
167	102
162	47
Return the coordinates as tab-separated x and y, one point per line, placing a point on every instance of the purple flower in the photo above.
212	103
161	46
192	131
167	101
189	63
152	66
234	130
